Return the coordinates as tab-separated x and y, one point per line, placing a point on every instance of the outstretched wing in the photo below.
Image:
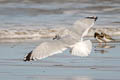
81	27
49	48
46	49
82	48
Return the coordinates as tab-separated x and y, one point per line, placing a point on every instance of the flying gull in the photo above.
74	41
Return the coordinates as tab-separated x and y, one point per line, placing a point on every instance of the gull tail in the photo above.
82	48
28	57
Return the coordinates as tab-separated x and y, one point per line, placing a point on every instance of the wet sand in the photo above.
102	64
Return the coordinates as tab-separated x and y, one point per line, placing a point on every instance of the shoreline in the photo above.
24	35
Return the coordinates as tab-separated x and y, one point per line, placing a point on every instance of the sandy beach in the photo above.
102	64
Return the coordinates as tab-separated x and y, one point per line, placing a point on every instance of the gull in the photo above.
73	41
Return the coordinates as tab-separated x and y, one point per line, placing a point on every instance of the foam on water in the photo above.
18	34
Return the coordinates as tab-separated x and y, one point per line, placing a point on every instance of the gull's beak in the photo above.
92	17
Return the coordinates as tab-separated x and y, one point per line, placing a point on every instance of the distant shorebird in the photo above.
107	37
74	41
57	37
99	38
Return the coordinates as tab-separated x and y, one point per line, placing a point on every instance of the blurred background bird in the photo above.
57	37
107	37
99	38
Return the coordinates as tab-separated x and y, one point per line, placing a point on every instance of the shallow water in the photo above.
24	18
51	13
100	65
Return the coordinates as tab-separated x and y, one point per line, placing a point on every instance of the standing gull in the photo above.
74	41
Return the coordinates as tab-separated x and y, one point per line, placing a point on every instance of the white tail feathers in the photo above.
82	48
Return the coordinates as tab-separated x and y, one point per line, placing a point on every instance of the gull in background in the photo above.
74	41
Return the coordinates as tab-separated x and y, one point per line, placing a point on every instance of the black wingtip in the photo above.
28	57
93	17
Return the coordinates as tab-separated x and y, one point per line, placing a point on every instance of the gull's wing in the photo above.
81	27
46	49
49	48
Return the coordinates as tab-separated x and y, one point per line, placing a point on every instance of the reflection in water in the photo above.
60	77
103	49
108	46
80	78
105	46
